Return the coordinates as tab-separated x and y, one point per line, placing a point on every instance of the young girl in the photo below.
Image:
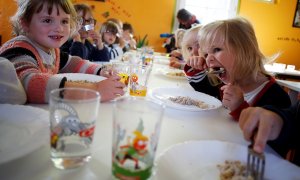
42	27
176	59
230	48
86	43
110	34
127	35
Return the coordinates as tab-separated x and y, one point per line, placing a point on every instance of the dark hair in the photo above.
84	8
184	15
128	26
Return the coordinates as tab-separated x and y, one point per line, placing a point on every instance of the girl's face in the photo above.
87	19
192	44
218	56
127	35
49	31
109	37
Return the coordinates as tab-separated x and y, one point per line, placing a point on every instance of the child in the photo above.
42	27
230	48
176	59
79	44
127	35
110	34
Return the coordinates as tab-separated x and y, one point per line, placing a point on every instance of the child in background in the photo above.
120	40
229	47
79	44
42	27
176	59
110	35
127	35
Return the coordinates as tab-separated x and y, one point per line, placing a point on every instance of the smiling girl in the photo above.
230	47
42	27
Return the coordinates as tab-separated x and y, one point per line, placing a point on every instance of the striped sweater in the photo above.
37	69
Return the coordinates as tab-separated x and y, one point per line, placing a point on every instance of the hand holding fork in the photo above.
263	125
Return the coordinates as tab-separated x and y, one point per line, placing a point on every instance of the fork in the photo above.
211	71
255	163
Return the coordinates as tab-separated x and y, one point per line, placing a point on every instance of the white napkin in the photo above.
11	90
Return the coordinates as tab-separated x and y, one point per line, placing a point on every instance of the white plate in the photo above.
81	76
170	73
162	60
199	159
163	94
23	129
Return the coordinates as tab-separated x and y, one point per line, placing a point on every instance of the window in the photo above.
208	10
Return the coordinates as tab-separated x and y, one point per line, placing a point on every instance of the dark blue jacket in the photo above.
289	137
85	51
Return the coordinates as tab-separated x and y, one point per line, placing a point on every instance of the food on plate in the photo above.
181	74
185	100
233	170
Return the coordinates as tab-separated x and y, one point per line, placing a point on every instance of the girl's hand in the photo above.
122	42
175	53
96	37
197	62
232	96
132	43
110	88
106	71
266	124
76	37
175	63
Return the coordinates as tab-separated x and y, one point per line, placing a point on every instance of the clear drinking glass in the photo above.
138	81
73	112
136	129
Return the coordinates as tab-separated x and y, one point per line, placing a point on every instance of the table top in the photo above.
286	74
177	127
289	84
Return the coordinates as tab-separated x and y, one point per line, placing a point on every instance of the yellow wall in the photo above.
147	17
274	30
7	9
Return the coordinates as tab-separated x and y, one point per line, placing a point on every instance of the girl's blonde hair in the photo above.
185	43
239	39
179	33
26	9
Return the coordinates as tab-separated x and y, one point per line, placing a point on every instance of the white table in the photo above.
177	127
294	88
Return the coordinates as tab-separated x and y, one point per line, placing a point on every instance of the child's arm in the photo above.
109	88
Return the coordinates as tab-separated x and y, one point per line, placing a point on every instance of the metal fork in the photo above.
255	163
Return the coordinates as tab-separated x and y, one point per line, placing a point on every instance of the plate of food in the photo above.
81	76
207	159
184	99
172	73
23	129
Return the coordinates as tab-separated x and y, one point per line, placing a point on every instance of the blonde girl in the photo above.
230	48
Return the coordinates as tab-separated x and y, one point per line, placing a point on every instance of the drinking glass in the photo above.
136	129
73	112
138	81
